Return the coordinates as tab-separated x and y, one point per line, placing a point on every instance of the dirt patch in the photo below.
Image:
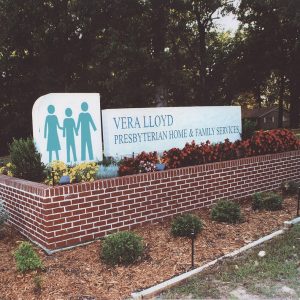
80	274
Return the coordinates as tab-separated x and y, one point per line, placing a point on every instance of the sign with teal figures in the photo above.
67	127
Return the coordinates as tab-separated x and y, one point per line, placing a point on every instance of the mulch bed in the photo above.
80	274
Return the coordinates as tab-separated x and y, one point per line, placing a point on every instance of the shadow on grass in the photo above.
271	275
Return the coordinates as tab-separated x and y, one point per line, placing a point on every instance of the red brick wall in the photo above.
68	215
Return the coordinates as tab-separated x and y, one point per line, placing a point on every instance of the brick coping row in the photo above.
46	191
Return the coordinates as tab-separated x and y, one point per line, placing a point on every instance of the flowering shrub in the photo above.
139	164
83	172
59	168
272	141
78	173
262	142
7	169
128	166
146	167
173	158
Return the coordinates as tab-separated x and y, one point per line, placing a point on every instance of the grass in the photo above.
258	275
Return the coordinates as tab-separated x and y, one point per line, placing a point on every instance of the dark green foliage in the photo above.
257	202
248	128
3	215
186	224
122	248
289	187
26	258
226	211
26	160
267	200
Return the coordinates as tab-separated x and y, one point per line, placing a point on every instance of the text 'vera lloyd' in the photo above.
145	122
127	131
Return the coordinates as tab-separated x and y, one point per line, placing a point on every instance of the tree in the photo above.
276	28
199	16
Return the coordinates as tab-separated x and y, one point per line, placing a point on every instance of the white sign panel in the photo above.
67	127
127	131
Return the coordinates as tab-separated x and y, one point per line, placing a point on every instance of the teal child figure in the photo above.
85	121
69	131
50	133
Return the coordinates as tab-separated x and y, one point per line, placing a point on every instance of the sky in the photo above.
229	22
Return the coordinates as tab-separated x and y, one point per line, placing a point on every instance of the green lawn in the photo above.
277	274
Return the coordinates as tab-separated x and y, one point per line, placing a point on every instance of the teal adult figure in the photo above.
69	132
50	133
85	122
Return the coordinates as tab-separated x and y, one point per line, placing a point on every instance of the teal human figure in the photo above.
50	133
69	132
85	122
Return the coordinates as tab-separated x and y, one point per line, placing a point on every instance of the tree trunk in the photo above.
280	101
202	59
257	95
295	107
159	27
202	65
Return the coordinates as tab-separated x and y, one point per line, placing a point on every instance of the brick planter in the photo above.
65	216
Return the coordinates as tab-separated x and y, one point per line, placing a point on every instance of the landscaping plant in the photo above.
59	169
3	215
226	211
267	200
122	248
84	172
185	225
7	169
107	171
134	165
26	160
289	187
261	142
26	258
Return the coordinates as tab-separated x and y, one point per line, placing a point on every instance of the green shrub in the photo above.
226	211
26	160
289	187
186	224
3	215
122	248
257	201
26	258
267	200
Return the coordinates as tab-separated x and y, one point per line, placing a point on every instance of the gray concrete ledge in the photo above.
154	290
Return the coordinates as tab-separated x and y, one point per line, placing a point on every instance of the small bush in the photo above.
267	200
7	169
84	172
3	215
130	165
59	169
26	160
186	224
107	171
257	201
122	248
289	187
226	211
26	258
